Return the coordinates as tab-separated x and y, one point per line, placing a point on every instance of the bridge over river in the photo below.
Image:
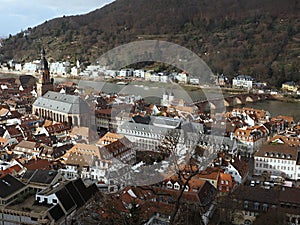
230	101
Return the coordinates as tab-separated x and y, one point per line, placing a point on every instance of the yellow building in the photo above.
289	86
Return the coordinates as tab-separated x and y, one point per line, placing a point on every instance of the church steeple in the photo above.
44	83
43	63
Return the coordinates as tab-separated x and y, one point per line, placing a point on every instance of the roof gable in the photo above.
65	199
9	185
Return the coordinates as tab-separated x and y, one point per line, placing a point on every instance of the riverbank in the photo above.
186	87
283	98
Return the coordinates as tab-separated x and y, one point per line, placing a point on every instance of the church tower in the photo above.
44	82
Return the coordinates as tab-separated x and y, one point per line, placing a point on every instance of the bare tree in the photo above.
185	165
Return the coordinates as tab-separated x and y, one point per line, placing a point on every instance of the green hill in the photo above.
257	37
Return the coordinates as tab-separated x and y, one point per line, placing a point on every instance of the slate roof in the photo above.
257	194
9	185
63	103
43	176
27	175
278	151
82	189
165	121
56	212
141	119
65	198
76	195
61	150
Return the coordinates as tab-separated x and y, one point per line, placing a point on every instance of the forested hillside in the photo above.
255	37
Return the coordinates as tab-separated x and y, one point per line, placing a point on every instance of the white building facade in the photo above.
278	160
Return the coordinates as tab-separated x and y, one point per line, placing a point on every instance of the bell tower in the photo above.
44	82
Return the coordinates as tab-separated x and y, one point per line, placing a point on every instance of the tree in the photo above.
186	163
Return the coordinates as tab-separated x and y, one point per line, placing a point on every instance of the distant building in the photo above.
154	77
126	72
194	80
182	78
168	98
243	81
59	68
221	80
139	73
75	71
289	86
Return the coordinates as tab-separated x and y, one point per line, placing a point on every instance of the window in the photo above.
54	201
256	205
246	204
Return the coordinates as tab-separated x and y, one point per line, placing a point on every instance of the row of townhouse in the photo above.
150	75
246	204
55	68
90	161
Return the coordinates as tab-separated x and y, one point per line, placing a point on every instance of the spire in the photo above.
44	82
43	53
43	63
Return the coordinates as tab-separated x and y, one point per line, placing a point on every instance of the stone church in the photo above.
57	106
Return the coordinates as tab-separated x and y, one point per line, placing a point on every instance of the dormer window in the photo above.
283	156
266	154
176	186
186	188
169	185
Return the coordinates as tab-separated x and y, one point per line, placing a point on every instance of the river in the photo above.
279	108
155	92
